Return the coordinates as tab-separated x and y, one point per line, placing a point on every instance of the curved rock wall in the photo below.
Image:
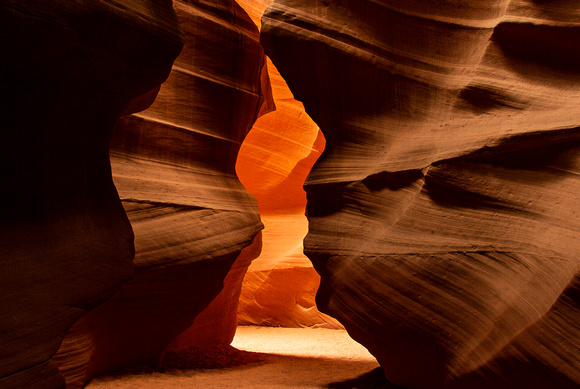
274	160
174	167
65	242
442	213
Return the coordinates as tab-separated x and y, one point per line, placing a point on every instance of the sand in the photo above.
280	358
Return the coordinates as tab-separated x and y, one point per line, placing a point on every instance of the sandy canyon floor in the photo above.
265	357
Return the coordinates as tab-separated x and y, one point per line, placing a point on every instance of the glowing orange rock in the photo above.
280	286
273	163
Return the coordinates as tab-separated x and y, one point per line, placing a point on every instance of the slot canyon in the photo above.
404	172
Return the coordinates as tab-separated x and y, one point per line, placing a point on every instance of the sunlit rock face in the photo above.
274	160
280	285
68	70
443	212
174	168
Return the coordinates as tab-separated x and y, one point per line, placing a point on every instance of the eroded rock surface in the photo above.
68	70
174	167
274	160
443	212
280	285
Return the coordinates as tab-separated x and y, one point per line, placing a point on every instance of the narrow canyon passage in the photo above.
273	163
157	157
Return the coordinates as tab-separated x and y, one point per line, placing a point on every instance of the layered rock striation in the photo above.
174	167
443	213
273	162
68	70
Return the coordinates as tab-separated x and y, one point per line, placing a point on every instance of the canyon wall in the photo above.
65	242
274	160
174	167
443	213
66	239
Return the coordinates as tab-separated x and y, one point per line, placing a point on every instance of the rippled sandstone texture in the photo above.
65	242
443	212
274	160
174	167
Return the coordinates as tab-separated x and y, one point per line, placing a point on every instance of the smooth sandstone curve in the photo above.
443	214
65	242
173	165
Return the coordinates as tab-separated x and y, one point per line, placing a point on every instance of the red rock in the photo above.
174	167
67	71
273	163
216	324
280	286
442	213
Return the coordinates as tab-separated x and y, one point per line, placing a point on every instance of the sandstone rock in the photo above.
280	286
68	70
278	154
273	163
174	167
255	9
216	325
442	212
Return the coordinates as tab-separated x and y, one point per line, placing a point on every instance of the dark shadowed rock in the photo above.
68	70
